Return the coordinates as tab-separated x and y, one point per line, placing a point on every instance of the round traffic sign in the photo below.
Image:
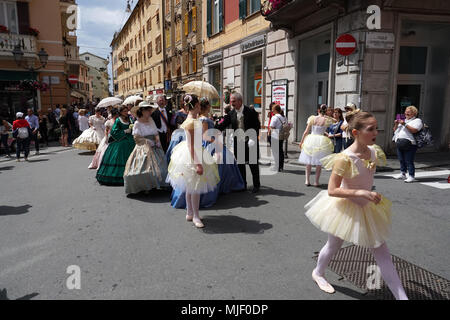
73	79
346	44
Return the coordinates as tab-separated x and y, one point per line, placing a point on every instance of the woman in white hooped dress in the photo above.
316	145
97	160
91	138
146	168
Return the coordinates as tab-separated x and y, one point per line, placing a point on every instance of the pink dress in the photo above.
97	160
354	219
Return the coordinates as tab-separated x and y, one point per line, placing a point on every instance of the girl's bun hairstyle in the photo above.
190	100
357	119
323	109
204	104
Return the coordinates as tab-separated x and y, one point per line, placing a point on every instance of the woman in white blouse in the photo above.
146	168
406	143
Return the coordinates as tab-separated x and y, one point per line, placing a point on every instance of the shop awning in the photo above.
6	75
76	94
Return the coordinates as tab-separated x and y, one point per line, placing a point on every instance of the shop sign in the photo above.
215	57
253	43
54	80
280	93
380	40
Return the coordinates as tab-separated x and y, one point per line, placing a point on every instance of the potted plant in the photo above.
3	29
33	32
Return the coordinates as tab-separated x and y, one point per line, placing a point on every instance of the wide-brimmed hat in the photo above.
143	104
351	106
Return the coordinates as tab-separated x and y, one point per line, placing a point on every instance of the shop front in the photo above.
14	96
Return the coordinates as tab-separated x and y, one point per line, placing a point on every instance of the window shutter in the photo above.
194	60
242	9
23	14
220	15
208	18
186	24
194	19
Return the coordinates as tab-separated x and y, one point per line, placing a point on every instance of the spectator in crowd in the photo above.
346	134
5	127
406	143
64	124
33	120
276	125
57	112
22	133
52	123
334	131
43	127
83	121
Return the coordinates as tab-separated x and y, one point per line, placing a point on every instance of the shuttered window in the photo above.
194	19
194	60
23	14
186	24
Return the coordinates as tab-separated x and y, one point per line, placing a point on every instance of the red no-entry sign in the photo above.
346	44
73	79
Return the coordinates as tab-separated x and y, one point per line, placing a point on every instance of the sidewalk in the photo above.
422	161
53	148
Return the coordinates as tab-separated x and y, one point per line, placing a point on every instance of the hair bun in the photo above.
349	115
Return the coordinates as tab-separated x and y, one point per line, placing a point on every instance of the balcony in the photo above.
297	16
8	41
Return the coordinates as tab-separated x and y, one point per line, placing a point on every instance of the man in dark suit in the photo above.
162	116
245	118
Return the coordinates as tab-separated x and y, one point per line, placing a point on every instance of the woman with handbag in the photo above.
406	143
276	126
334	131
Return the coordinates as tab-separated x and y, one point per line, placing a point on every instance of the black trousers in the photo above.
22	145
254	168
34	137
163	140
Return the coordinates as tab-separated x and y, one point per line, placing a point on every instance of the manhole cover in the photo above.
357	265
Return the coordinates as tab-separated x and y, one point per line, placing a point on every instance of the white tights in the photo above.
382	257
193	204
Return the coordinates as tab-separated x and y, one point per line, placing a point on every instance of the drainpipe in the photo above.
361	65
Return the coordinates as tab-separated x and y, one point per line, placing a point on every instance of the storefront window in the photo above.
253	85
413	60
215	80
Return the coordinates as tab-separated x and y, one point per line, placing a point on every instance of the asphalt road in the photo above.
53	214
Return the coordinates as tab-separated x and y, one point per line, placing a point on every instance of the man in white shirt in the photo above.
162	116
34	125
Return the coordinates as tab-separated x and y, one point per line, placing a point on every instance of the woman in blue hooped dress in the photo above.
230	177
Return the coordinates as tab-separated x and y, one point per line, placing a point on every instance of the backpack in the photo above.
424	137
285	130
22	133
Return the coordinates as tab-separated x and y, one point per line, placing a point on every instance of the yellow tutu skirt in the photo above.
314	148
368	225
182	173
88	140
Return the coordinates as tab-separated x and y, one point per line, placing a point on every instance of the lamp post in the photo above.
19	59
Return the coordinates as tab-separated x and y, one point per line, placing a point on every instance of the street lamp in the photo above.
18	58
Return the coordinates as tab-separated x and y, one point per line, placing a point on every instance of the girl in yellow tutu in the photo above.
349	210
316	145
192	169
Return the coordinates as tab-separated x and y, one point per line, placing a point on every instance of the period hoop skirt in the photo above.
89	139
182	173
146	168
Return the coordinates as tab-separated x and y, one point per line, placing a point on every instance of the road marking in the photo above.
438	185
425	174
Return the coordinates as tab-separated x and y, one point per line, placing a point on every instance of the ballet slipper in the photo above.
189	218
198	223
322	283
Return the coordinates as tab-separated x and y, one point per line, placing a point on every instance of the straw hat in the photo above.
351	106
143	104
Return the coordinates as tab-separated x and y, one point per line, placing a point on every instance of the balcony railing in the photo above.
9	41
270	6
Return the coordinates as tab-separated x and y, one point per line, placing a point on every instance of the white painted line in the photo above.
345	45
425	174
438	185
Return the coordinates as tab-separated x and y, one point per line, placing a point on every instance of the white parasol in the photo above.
132	100
110	101
202	89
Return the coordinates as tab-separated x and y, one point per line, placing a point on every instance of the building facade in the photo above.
98	72
31	25
137	52
401	59
234	51
182	45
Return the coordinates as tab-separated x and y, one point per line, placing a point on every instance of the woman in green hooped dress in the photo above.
121	144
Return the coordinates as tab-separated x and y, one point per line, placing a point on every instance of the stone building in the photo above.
402	60
98	71
138	53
